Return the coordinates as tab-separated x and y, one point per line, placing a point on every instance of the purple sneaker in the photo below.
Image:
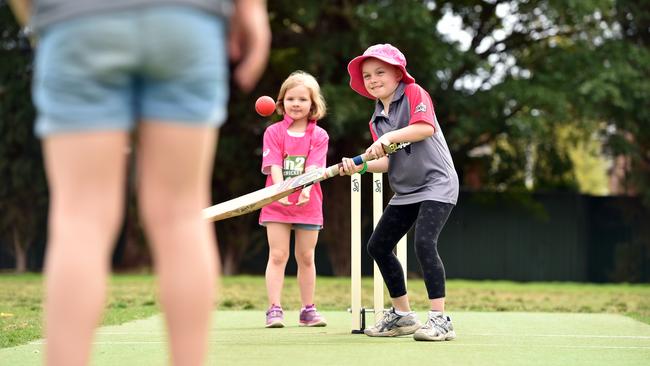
309	317
274	317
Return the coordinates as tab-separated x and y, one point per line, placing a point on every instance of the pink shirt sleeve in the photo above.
421	105
272	148
372	132
318	154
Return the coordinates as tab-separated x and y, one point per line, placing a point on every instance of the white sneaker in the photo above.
437	328
393	325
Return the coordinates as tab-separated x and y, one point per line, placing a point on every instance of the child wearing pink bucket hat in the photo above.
424	180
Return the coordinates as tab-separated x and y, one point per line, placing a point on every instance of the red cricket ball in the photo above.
265	106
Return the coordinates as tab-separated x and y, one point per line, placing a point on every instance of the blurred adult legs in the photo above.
86	175
175	165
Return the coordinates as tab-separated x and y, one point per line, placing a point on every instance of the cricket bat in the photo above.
255	200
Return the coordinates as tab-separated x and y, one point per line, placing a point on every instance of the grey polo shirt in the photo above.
47	12
424	170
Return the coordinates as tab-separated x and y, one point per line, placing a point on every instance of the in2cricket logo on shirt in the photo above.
420	108
294	165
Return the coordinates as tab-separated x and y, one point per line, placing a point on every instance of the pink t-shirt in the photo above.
294	154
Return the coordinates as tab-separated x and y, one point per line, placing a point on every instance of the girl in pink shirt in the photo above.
292	147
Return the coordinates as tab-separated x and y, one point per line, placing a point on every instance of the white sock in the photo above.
433	313
403	313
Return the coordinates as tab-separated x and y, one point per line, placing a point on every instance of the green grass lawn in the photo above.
134	297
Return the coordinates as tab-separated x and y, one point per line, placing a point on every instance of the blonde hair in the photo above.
318	107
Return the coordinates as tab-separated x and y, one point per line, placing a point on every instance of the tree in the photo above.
508	79
622	91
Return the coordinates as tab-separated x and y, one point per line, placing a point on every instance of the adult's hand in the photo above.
249	42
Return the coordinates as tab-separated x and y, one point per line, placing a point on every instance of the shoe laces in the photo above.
275	311
309	309
389	316
438	322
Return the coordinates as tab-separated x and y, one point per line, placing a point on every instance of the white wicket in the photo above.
358	311
355	251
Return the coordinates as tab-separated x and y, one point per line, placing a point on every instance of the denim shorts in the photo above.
308	227
109	71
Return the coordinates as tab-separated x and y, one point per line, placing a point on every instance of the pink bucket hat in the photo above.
384	52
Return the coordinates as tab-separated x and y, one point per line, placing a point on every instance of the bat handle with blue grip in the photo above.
389	149
360	159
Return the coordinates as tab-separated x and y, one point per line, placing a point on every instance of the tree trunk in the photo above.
230	263
135	254
20	254
237	232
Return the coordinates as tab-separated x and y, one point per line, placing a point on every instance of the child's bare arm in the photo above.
277	177
412	133
378	166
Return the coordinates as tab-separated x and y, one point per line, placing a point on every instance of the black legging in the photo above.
429	217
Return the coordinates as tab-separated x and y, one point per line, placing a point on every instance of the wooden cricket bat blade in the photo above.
255	200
